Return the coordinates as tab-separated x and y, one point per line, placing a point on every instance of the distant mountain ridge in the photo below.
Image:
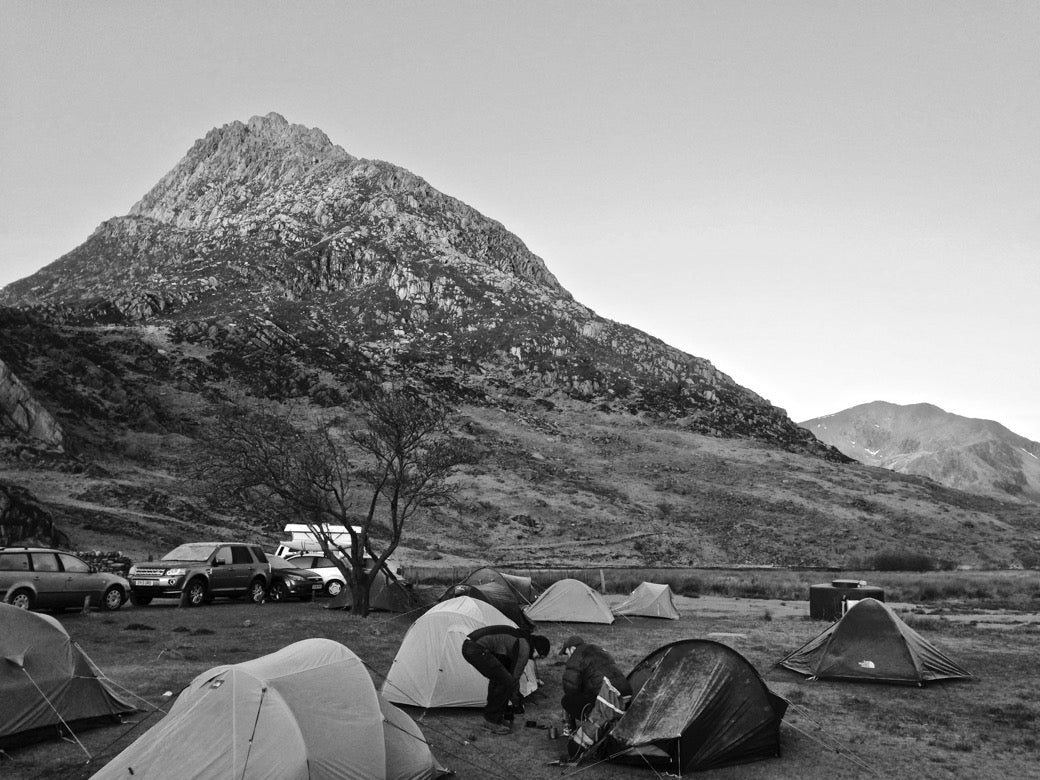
267	236
979	456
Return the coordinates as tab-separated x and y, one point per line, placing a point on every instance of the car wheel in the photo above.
140	599
278	592
194	594
23	599
257	591
113	598
334	587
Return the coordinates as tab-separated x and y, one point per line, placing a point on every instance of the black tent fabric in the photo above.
697	705
506	593
871	644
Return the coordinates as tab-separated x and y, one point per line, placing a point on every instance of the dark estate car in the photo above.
197	572
43	578
288	580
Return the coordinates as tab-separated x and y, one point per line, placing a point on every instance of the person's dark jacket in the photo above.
587	667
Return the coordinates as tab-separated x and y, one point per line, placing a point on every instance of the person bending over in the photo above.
587	665
500	653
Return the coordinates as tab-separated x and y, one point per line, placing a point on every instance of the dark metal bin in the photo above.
825	600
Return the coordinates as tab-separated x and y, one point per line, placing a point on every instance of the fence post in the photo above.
602	582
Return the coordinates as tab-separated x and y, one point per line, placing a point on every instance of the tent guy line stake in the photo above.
63	723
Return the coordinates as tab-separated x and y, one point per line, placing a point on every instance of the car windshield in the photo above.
190	552
280	563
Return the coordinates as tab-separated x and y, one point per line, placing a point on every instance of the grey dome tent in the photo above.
570	601
649	600
47	683
697	705
871	644
306	712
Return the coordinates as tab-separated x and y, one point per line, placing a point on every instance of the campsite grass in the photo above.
984	727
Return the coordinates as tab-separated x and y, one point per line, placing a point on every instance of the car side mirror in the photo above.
218	562
93	569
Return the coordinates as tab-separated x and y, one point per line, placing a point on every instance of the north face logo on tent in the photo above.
867	664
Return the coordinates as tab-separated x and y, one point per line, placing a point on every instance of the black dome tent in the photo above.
697	705
871	644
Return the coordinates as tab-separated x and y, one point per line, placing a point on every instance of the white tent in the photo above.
429	670
570	601
650	599
306	712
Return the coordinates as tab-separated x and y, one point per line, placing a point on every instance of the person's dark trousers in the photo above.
575	703
500	681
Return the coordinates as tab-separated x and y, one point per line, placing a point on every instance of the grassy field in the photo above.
986	727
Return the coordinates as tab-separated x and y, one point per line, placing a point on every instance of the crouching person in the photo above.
583	675
500	653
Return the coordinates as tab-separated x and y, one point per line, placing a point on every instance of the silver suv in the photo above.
197	572
44	578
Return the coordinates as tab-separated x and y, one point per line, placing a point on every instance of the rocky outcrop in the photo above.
22	413
24	519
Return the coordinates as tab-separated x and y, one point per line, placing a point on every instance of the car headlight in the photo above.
176	572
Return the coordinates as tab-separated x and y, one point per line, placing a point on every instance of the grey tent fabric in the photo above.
46	678
521	588
649	599
870	643
506	593
697	705
306	712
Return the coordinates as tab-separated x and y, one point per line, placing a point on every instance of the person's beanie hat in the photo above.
572	641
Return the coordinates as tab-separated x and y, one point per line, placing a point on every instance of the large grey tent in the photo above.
870	643
47	683
570	601
697	705
306	712
649	600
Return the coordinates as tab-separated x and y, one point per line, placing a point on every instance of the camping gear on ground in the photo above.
570	601
649	599
697	705
507	593
872	644
827	601
307	711
429	670
48	686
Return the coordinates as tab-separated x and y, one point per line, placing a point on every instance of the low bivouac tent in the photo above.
697	705
47	683
872	644
306	712
649	600
570	601
429	670
506	593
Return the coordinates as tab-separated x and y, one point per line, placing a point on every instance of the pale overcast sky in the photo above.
834	202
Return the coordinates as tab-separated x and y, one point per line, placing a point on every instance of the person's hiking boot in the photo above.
497	728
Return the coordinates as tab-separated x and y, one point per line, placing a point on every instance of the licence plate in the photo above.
318	586
143	583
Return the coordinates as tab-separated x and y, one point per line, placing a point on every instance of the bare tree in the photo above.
404	456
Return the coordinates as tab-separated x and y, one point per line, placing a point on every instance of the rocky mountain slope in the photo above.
979	456
270	262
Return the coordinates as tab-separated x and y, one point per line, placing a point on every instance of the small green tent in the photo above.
871	644
47	683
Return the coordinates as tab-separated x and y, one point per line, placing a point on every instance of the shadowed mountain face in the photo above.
269	262
979	456
268	235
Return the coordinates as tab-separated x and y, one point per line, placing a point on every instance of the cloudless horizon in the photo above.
833	203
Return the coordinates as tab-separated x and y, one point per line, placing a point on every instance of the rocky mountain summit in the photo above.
979	456
271	263
270	237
